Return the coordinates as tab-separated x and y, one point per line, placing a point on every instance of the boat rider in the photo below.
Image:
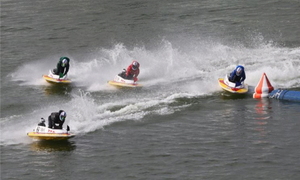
132	72
62	67
57	119
238	75
42	122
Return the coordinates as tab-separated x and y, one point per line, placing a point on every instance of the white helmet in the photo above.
62	116
135	65
239	71
64	62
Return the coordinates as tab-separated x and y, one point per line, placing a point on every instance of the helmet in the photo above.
135	65
62	115
64	62
239	71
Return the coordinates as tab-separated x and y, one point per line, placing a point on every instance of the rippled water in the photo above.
180	125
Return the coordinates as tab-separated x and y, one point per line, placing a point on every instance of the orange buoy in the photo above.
263	87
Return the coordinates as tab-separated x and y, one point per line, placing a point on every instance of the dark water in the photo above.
180	125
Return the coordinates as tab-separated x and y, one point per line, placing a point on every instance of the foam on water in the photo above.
165	63
85	114
167	73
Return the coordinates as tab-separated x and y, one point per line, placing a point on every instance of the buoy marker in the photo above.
263	87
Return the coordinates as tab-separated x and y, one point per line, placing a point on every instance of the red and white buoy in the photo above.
263	87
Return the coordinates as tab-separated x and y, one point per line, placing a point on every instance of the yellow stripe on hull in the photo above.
50	136
231	89
118	84
52	80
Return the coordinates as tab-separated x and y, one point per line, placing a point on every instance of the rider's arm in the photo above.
67	69
137	73
244	76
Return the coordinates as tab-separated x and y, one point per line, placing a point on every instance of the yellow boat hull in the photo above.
50	136
124	85
52	80
232	89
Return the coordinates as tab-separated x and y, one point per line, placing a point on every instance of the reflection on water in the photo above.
262	109
262	115
57	89
50	146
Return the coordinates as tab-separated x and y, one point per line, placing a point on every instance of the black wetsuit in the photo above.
62	70
54	122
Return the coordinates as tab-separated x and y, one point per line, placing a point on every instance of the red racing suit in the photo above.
132	74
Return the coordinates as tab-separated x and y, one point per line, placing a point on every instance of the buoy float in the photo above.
285	95
263	87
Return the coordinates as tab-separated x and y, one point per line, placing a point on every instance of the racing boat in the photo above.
53	78
41	132
121	82
231	87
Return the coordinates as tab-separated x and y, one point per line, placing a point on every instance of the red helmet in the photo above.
135	65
